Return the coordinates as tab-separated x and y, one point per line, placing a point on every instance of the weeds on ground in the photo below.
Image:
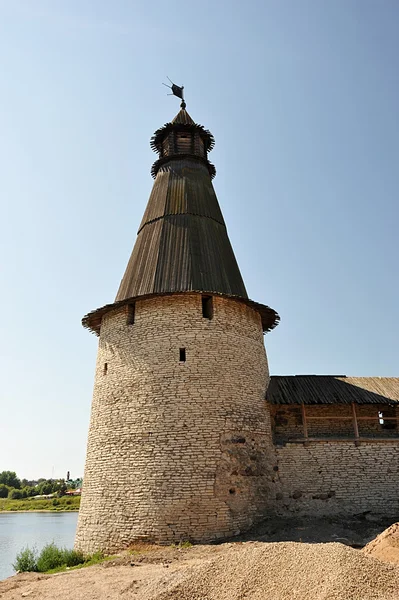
142	547
180	545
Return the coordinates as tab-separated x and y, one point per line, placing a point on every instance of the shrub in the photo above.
55	502
50	557
26	560
15	494
73	557
27	491
96	556
4	489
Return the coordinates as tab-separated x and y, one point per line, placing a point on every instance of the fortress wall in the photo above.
327	478
177	450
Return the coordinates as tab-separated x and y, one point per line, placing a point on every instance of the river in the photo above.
18	530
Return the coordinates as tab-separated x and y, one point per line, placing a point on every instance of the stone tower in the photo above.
179	441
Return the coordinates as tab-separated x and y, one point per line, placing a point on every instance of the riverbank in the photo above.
63	504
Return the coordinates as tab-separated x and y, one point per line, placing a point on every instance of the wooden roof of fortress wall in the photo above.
330	389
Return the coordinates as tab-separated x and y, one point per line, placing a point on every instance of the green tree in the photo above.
28	491
45	488
4	489
10	478
62	489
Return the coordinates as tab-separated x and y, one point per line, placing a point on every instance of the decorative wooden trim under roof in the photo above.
162	132
332	389
92	320
182	126
158	164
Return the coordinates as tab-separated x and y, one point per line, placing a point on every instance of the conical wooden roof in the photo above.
183	118
182	243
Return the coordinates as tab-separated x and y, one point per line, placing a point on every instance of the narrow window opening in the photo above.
207	307
131	309
105	370
182	353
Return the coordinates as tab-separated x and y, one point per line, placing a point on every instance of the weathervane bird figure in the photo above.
176	91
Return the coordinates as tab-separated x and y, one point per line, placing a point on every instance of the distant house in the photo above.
44	496
76	492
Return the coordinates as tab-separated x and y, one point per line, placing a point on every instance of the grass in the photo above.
53	504
185	544
137	548
93	559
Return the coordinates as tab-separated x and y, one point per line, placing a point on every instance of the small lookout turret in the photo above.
179	439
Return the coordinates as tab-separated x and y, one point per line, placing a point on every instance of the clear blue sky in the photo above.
302	97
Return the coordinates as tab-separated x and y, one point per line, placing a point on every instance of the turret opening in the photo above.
182	354
131	310
207	307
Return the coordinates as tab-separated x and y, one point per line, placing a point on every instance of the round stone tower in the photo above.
179	443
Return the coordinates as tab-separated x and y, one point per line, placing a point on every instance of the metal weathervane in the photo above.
176	91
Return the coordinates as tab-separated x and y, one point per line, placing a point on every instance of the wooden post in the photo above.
355	425
304	424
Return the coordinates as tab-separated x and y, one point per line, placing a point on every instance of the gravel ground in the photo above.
233	571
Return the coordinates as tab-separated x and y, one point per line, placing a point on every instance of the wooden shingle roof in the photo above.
182	244
331	389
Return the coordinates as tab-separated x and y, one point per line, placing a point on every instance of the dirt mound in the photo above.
236	571
288	570
385	547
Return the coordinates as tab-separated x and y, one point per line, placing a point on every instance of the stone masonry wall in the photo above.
177	450
326	478
335	476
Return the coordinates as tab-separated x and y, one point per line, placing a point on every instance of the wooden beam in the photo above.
341	418
323	440
355	425
329	417
377	418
